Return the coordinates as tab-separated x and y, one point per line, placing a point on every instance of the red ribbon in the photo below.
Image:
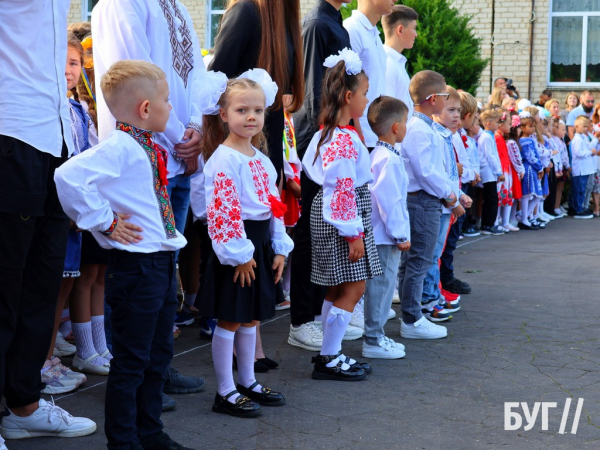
464	139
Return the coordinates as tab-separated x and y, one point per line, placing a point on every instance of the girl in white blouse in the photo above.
344	254
249	242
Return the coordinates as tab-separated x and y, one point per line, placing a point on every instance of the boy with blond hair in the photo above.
117	190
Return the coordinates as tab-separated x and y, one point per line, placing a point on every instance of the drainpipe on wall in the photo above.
532	21
492	46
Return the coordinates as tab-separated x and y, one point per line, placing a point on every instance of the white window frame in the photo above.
85	15
567	84
209	13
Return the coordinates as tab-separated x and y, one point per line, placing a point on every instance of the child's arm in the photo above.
530	156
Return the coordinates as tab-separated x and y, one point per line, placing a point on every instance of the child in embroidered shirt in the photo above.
582	150
475	191
516	163
391	225
344	254
118	191
245	223
505	188
534	171
559	131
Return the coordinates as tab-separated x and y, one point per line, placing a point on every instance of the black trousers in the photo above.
551	199
306	297
33	242
140	289
447	258
489	209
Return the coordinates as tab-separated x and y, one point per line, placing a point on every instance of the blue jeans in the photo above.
379	293
431	284
179	193
425	212
140	289
578	188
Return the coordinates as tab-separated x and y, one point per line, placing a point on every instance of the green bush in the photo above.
446	43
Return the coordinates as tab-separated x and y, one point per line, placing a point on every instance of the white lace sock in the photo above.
245	349
84	341
506	216
333	332
100	336
222	353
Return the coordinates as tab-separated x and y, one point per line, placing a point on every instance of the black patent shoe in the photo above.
266	397
358	365
322	372
243	406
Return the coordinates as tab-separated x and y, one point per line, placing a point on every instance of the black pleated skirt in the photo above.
225	300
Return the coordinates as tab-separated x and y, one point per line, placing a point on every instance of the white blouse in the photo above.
463	158
198	192
563	152
238	188
342	164
391	224
514	153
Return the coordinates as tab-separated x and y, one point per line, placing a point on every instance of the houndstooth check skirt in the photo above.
330	264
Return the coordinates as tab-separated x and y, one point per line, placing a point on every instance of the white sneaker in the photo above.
423	329
358	316
62	347
57	382
396	297
353	333
56	362
510	228
384	350
391	314
47	420
307	336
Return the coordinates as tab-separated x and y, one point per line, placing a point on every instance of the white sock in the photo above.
506	216
557	211
189	299
100	336
532	205
245	349
222	354
324	312
337	322
525	210
84	340
513	211
65	327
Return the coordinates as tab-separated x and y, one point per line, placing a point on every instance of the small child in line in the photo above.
505	187
582	151
560	131
471	132
391	225
118	191
531	181
516	163
249	241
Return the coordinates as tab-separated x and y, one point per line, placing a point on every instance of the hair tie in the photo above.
264	80
210	87
515	121
350	58
503	118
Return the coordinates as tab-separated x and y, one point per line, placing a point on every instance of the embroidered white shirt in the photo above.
33	87
463	158
514	154
564	152
238	188
138	29
489	161
198	192
391	224
397	79
581	151
342	165
365	40
116	176
472	152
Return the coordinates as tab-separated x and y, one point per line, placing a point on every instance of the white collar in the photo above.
394	54
364	21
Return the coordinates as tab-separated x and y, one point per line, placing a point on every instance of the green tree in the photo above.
446	43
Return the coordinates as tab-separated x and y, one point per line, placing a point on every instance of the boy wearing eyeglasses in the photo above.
428	189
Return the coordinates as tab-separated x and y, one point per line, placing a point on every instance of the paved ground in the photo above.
527	333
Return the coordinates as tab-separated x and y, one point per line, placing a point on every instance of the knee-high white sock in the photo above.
84	340
245	348
99	336
525	200
324	312
337	322
506	216
532	205
222	353
513	211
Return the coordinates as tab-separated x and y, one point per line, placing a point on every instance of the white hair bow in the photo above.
210	87
264	80
350	58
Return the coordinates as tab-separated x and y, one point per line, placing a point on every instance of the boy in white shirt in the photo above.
365	40
400	30
391	225
582	166
118	191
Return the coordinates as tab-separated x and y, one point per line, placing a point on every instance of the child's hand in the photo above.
192	166
125	232
540	175
466	201
278	263
559	174
190	147
521	175
460	169
554	152
458	211
547	169
501	178
245	272
452	202
357	250
294	188
404	247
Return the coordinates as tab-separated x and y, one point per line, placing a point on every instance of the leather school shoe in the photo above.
243	406
161	441
357	364
523	226
179	384
337	372
266	397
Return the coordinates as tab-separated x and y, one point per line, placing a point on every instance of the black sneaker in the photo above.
523	226
179	384
243	406
471	232
583	215
161	441
340	372
266	397
168	403
456	286
494	231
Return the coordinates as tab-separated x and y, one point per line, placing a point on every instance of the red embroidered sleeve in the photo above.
343	201
113	225
224	213
340	148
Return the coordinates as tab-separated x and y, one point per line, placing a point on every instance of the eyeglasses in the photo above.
589	102
445	94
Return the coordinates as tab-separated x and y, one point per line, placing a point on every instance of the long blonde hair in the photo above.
539	134
496	97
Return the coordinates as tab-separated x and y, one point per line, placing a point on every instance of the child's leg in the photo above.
596	202
245	344
560	185
533	203
431	291
525	200
513	210
97	314
222	353
506	216
489	209
339	316
63	297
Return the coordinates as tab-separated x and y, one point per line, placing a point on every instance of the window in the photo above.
574	43
86	9
214	12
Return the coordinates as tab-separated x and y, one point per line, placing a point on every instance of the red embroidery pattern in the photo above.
340	148
260	177
113	225
343	201
224	213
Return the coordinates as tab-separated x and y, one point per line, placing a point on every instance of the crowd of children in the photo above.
402	169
